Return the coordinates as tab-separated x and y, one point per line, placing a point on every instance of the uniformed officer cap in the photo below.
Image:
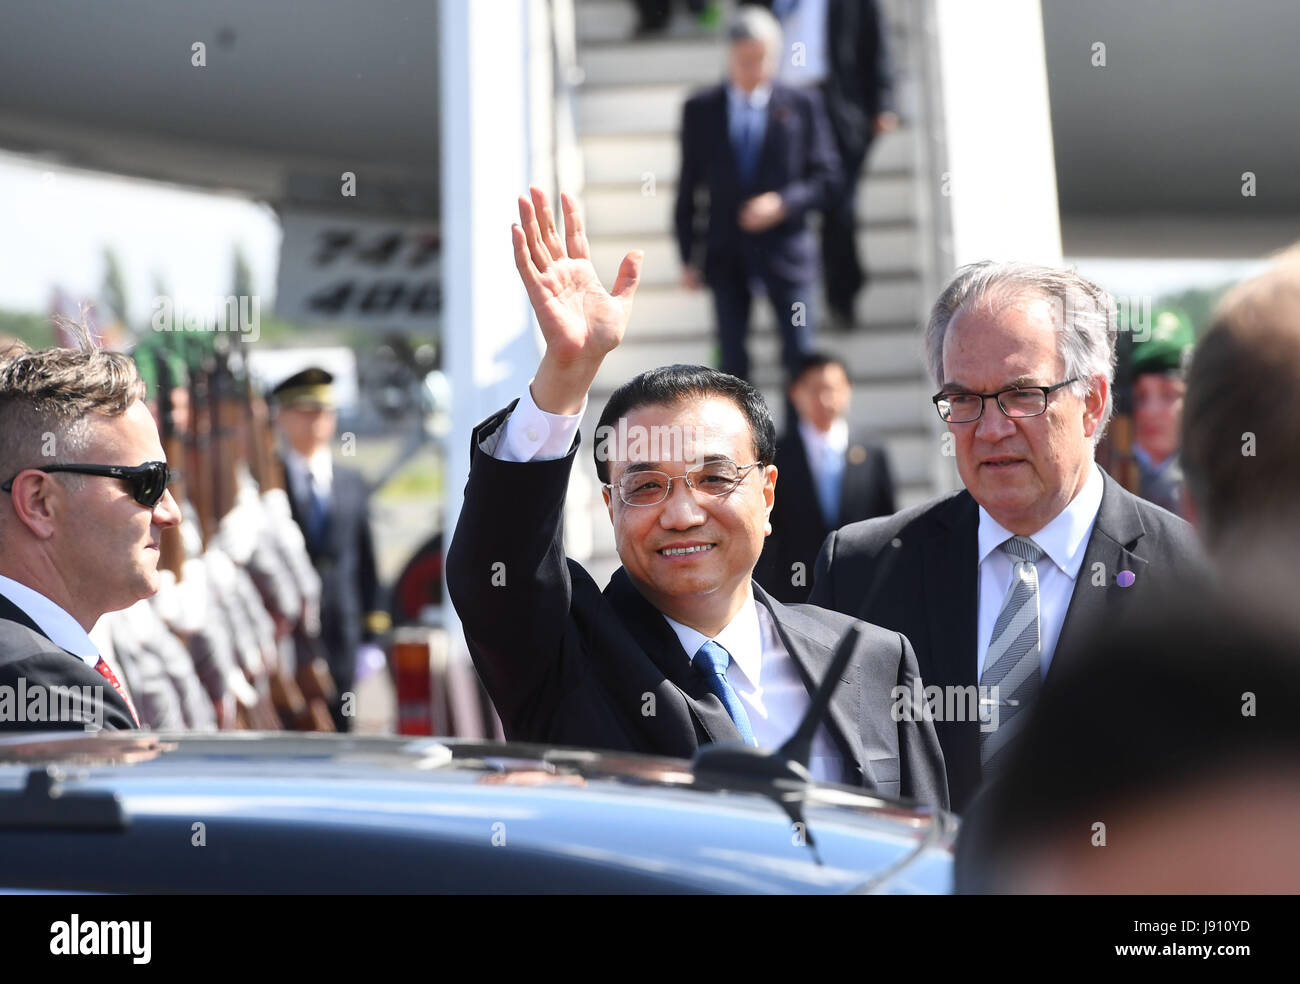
310	388
1168	347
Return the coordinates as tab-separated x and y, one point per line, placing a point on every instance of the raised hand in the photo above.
580	320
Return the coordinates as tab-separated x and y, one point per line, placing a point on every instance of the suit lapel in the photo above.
776	112
721	124
952	588
856	481
297	508
658	641
814	661
794	468
1114	536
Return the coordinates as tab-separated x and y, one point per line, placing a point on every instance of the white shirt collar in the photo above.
59	627
837	438
742	639
755	100
1065	538
320	466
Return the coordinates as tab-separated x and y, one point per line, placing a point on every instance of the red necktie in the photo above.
106	672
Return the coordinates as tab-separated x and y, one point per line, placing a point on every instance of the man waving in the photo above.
681	648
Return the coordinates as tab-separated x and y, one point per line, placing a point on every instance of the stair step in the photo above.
697	61
616	20
631	109
631	210
888	251
871	356
629	159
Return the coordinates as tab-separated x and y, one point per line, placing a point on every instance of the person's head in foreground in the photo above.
689	548
1024	357
84	479
1167	762
820	391
1241	421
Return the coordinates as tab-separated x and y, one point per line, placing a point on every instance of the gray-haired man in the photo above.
995	584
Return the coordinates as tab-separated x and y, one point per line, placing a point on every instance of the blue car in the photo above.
243	812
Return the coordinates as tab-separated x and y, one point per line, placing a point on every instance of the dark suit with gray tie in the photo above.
931	591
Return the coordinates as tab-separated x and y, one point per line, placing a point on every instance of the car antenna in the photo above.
733	759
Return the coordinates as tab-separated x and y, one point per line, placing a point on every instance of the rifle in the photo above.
171	545
222	469
301	699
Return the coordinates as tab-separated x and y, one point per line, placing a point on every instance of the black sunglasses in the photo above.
148	482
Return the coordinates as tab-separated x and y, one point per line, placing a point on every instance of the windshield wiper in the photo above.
730	759
726	762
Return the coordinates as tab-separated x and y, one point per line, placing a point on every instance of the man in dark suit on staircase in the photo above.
832	474
840	49
764	154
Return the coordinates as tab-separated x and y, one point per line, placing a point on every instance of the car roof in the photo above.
423	814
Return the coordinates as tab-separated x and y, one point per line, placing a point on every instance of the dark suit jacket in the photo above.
27	655
567	664
798	159
345	560
798	526
930	592
859	83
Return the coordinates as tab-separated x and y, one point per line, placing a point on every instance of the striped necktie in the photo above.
1013	663
712	661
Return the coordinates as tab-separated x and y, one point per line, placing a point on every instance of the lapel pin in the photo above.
1125	579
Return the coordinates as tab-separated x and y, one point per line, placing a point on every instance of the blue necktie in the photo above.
747	149
317	514
712	660
829	478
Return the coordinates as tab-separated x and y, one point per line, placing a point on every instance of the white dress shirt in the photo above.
805	25
532	434
307	473
59	627
826	461
1064	540
767	682
762	673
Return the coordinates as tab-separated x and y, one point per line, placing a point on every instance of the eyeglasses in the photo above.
649	488
1017	401
147	482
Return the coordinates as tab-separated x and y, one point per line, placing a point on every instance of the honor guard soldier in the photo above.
331	504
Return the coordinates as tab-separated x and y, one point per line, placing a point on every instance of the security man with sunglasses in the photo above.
682	648
83	508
